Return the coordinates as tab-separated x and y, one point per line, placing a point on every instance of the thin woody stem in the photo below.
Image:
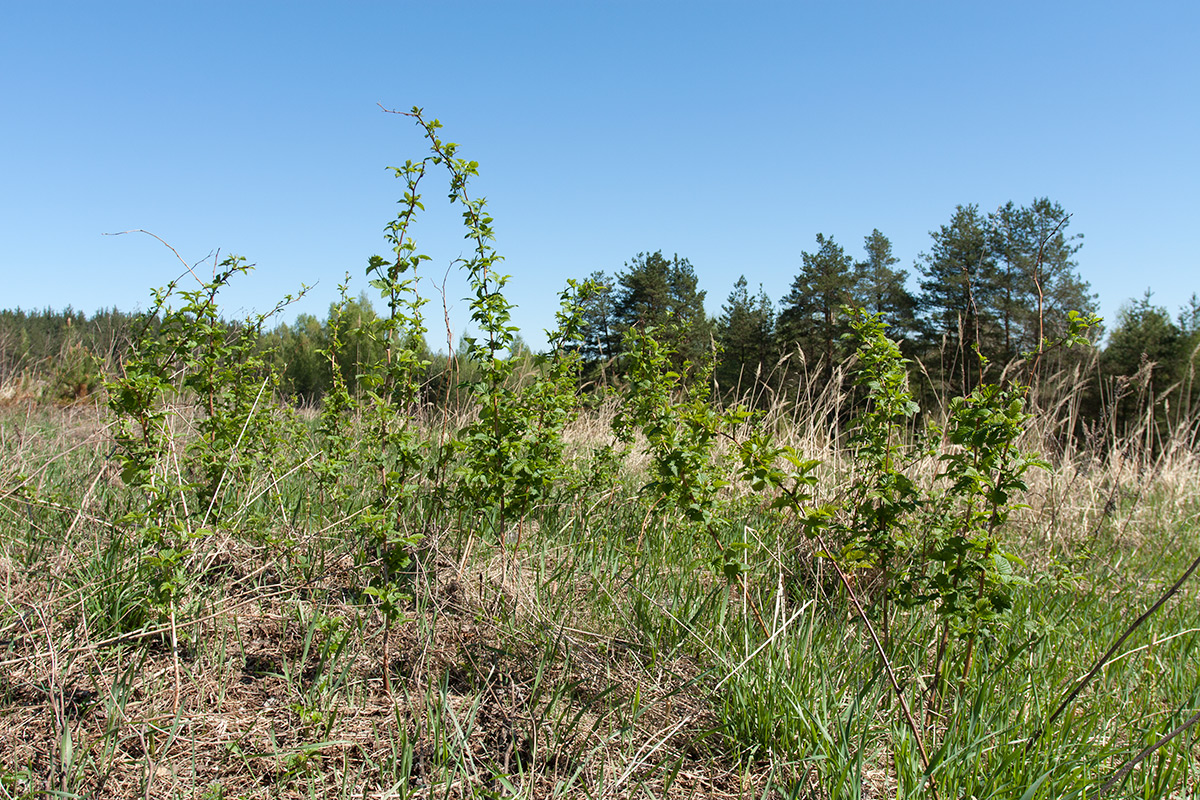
887	665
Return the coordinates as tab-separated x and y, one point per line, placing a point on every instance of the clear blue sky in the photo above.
727	133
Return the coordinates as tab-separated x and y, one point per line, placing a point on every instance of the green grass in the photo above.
209	594
602	657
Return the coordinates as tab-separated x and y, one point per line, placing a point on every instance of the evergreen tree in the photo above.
880	287
1144	357
1189	354
746	333
957	290
305	374
359	346
1144	335
1189	317
48	342
599	340
809	319
656	293
1036	281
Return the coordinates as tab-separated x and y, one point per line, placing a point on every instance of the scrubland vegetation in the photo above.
515	576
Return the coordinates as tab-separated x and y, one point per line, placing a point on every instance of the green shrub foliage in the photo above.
199	422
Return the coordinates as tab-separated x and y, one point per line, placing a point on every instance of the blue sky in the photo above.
730	134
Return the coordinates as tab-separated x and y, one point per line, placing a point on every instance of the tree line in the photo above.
988	288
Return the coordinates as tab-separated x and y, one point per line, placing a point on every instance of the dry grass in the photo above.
234	708
505	678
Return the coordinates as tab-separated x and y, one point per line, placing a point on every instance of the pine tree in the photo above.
957	289
809	319
880	288
305	373
746	333
1189	316
1189	354
1036	280
1144	357
656	293
600	342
